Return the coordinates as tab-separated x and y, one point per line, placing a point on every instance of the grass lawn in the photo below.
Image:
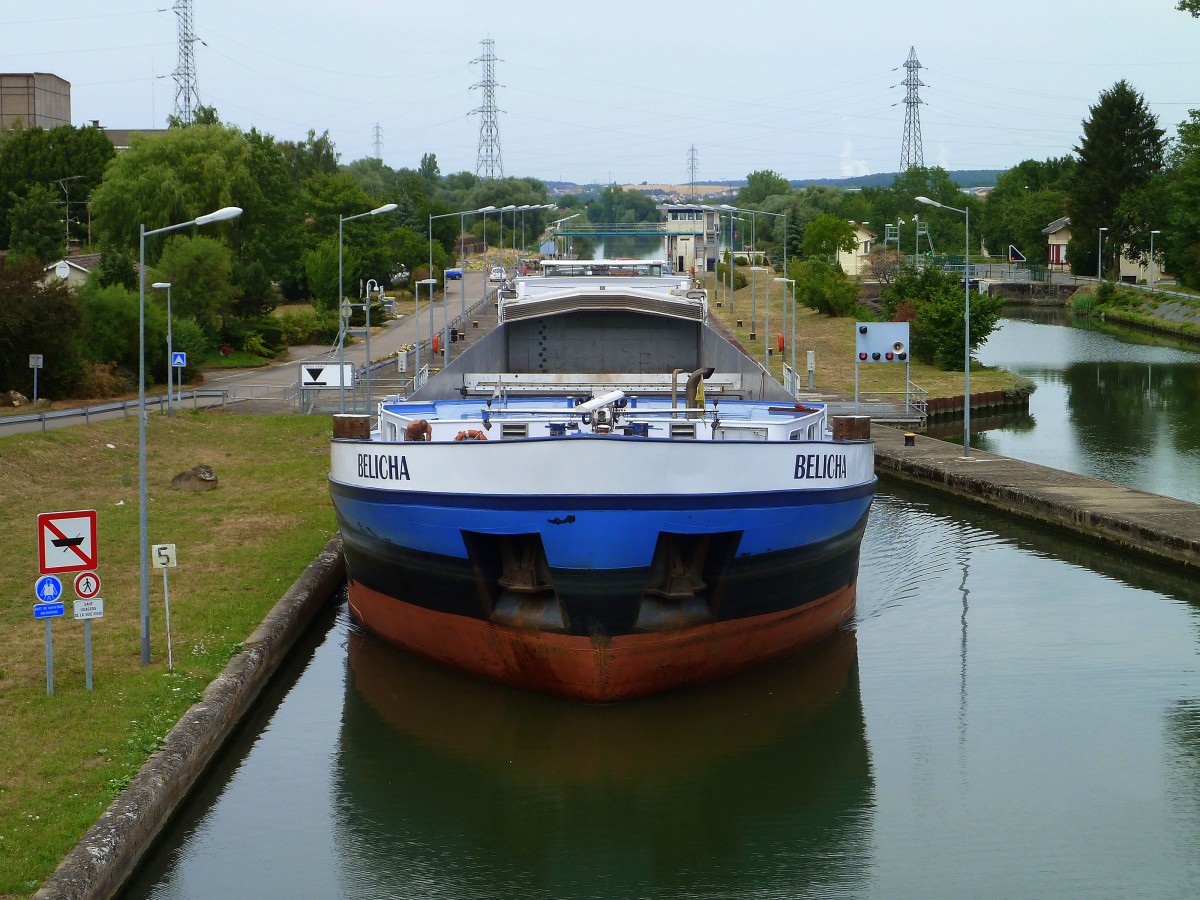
833	341
239	548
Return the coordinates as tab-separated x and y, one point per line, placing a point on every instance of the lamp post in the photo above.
221	215
792	282
417	315
166	285
462	230
1100	255
342	310
966	212
1150	269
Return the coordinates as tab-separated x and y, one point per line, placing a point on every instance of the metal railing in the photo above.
98	410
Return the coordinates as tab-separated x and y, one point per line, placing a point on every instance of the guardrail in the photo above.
105	409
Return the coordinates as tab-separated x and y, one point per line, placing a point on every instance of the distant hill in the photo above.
967	178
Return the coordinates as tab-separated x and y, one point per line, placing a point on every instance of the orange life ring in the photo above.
471	435
419	430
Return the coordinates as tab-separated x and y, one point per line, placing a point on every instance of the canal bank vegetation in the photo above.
762	303
1176	313
66	756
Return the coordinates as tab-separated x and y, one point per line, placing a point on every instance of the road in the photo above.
275	387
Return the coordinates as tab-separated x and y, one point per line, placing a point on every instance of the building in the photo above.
1058	234
34	99
74	270
852	262
691	236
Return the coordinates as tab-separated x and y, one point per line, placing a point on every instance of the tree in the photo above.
823	286
1026	198
172	177
932	300
37	228
116	268
321	270
68	161
1122	149
37	316
760	185
429	167
1181	244
311	156
826	236
1190	6
200	271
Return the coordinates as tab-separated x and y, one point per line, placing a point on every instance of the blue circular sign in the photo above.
48	589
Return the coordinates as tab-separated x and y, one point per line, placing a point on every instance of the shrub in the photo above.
102	380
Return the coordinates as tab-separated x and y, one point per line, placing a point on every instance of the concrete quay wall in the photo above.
111	849
1161	528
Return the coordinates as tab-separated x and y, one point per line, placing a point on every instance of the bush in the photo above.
739	278
307	326
188	336
1083	303
102	380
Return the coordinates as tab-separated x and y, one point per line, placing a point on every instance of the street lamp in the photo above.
792	282
966	317
166	285
221	215
342	310
1100	255
1150	270
417	336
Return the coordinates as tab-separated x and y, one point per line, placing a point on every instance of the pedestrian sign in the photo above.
47	589
67	541
179	359
87	585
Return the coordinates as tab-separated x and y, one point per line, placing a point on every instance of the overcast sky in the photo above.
620	91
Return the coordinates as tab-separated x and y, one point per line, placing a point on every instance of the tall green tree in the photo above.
37	226
933	301
200	269
37	316
68	161
760	185
826	236
1026	199
1121	151
1181	237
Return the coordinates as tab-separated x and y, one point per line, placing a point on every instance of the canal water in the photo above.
1110	403
1014	713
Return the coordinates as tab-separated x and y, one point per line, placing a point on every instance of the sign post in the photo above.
35	363
162	556
88	607
66	543
47	590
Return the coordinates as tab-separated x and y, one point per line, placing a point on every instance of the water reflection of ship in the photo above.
459	787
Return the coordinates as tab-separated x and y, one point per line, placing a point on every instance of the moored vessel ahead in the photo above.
603	498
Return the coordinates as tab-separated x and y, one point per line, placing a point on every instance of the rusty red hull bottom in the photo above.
600	671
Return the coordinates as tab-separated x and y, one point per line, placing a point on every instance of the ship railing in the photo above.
488	383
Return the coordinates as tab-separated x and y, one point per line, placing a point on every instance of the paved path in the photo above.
1162	528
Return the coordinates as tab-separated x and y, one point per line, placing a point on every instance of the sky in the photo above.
621	92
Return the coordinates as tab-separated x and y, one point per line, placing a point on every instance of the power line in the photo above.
488	163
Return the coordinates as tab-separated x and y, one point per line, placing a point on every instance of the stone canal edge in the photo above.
1151	525
111	849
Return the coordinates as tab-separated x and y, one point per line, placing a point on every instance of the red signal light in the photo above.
862	356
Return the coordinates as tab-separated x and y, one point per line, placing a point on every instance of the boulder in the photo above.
198	478
13	398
